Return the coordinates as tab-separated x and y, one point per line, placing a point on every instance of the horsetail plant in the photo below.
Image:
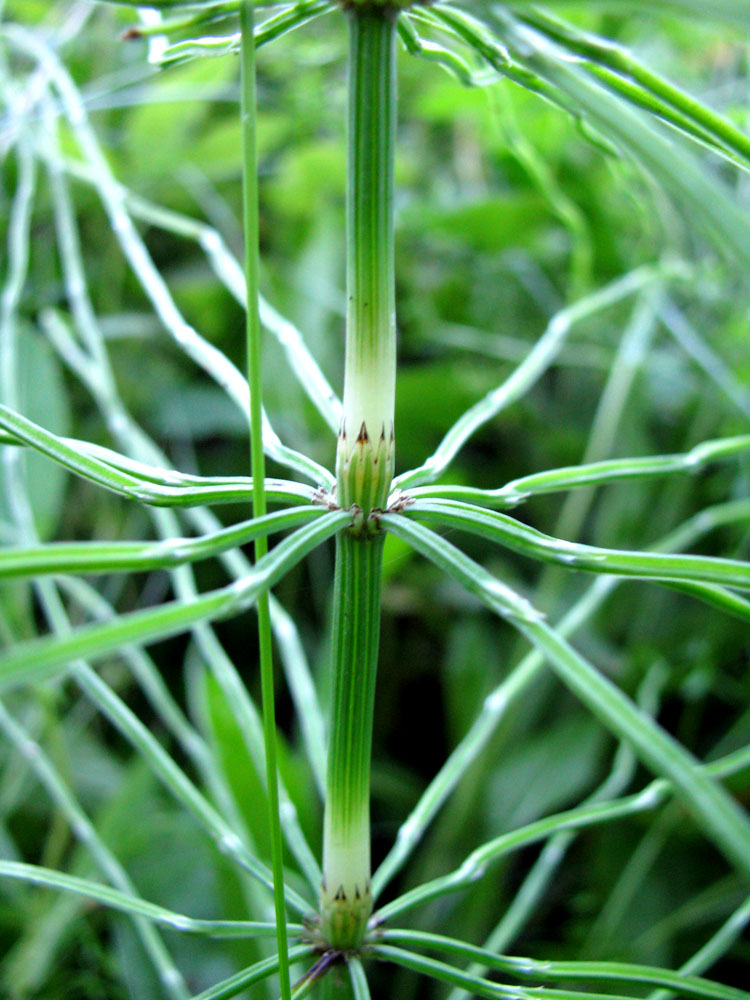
326	915
364	469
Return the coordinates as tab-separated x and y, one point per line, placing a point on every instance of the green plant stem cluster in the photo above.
358	508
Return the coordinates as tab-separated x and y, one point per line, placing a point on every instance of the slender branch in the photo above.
712	808
258	468
138	480
37	659
660	567
611	470
123	557
529	968
128	902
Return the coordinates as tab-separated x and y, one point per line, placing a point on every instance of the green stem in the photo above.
364	470
250	212
346	899
365	451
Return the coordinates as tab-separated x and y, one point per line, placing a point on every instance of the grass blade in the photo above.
257	459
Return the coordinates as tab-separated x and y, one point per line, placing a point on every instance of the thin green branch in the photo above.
465	29
176	781
538	360
714	948
41	658
713	810
360	986
601	473
146	674
87	835
230	273
302	689
733	12
697	347
475	985
444	56
619	69
657	566
139	481
711	204
123	557
475	865
498	701
218	45
550	858
554	971
95	371
204	354
135	906
240	981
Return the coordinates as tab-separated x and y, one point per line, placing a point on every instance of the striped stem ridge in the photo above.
364	469
364	462
345	898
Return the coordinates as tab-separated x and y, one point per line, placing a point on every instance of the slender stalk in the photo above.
364	470
346	899
250	207
365	451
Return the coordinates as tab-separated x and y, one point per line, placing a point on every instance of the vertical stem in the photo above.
364	469
346	899
250	218
365	452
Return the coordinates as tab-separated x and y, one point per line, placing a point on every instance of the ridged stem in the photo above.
346	899
365	452
364	471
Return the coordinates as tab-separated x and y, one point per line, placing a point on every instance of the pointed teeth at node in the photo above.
362	437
